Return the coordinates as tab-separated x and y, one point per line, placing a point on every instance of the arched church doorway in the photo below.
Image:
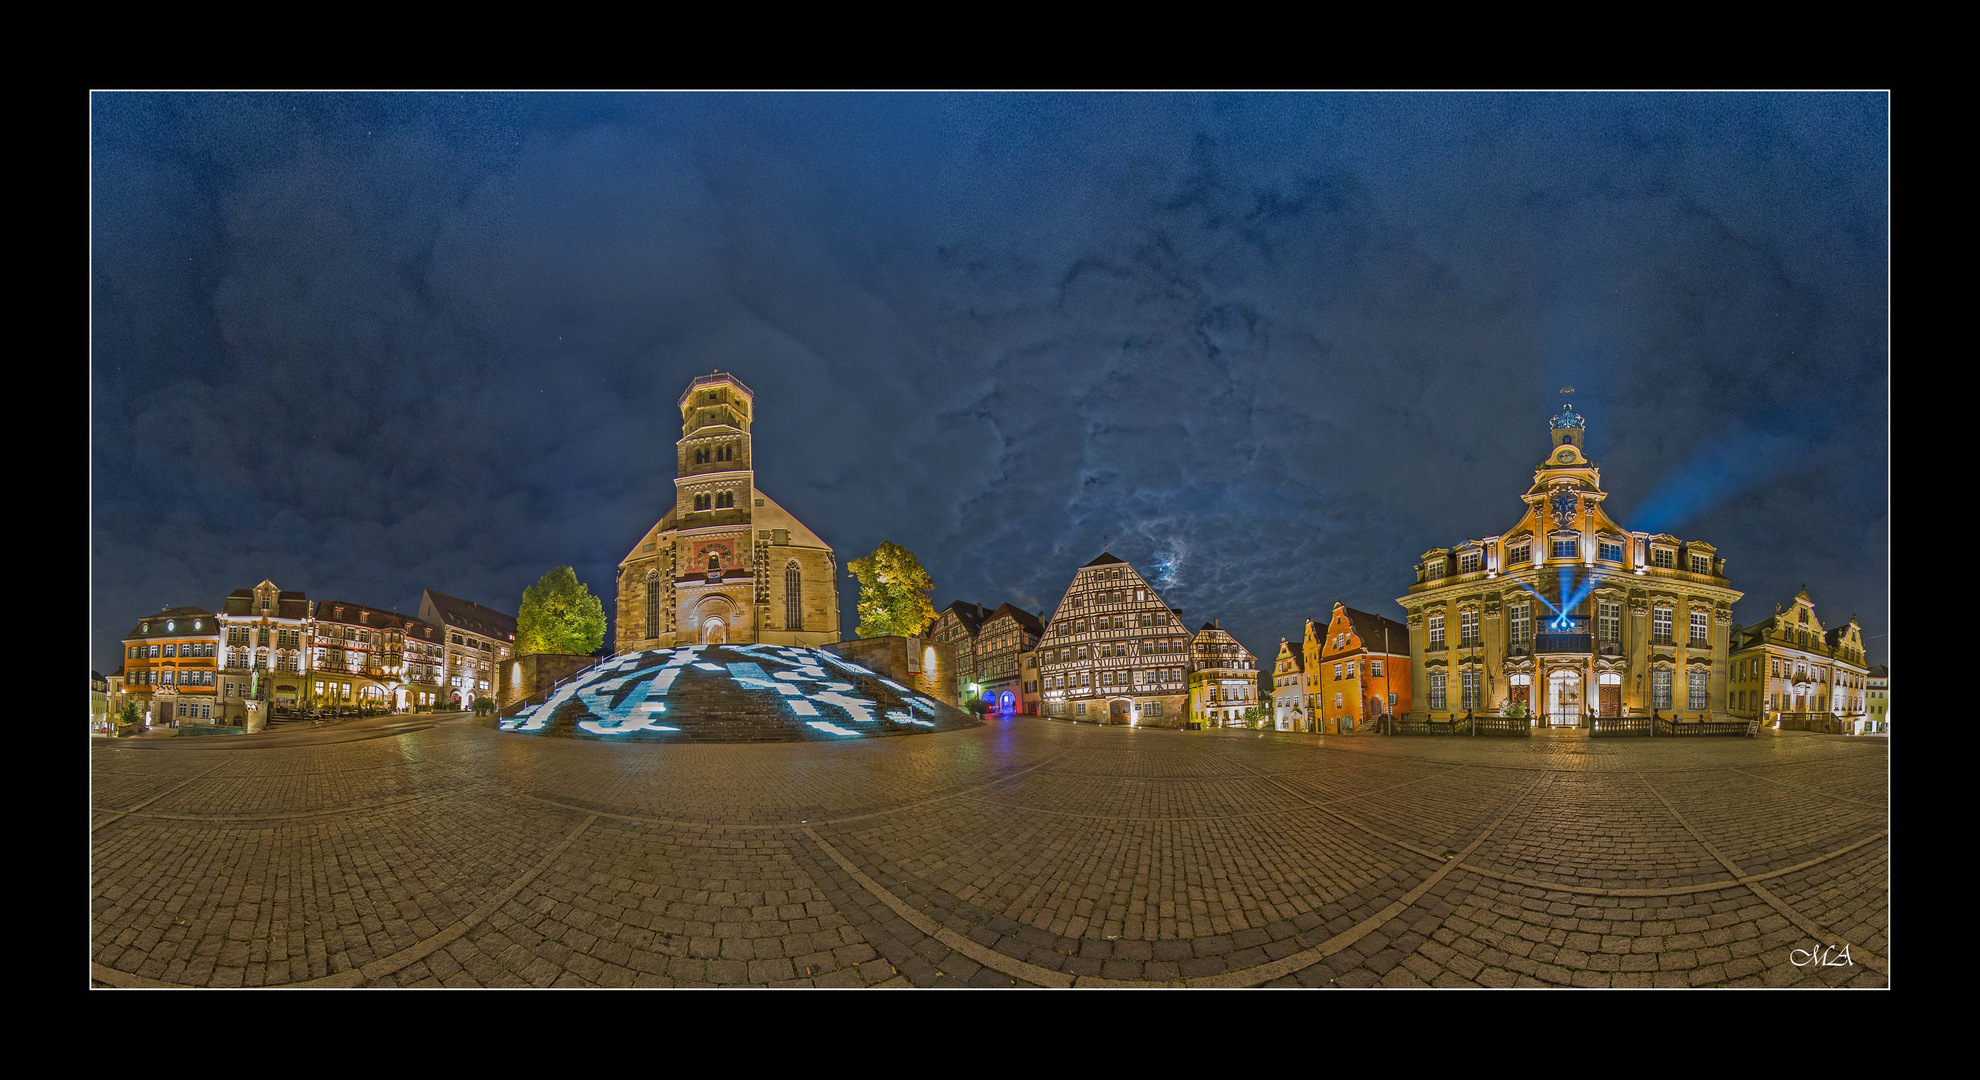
714	631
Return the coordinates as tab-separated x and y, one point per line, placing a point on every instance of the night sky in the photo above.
1274	346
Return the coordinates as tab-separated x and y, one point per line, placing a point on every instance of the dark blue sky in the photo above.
1276	346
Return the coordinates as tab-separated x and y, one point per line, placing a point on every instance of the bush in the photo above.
483	705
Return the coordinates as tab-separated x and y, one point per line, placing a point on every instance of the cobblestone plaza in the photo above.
1026	852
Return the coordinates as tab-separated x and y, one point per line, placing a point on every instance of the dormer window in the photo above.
1469	562
1663	557
1433	569
1519	554
1609	551
1701	564
1569	548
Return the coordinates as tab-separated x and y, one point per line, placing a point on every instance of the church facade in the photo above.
1568	613
726	564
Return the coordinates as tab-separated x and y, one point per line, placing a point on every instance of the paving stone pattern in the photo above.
1022	853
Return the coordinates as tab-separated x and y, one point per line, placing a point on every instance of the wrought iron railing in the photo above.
1563	643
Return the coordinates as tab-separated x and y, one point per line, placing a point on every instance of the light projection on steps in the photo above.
733	693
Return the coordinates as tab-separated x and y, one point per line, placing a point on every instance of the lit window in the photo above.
1663	557
1437	631
1609	552
1660	625
1567	549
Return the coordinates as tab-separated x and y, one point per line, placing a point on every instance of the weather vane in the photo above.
1103	544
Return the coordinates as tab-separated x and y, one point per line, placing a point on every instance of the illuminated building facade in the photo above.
1223	678
956	628
1360	669
1787	665
726	564
1005	643
1877	698
170	662
1289	708
265	638
1113	651
1568	612
367	655
476	639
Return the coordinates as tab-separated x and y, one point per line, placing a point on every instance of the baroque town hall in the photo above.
1567	612
726	564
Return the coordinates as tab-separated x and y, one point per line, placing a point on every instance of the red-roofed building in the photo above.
1357	669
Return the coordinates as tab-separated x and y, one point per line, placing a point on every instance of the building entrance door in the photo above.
1611	689
1118	712
1564	699
714	632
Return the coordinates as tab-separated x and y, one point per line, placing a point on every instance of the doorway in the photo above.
1118	712
1564	699
714	631
1610	684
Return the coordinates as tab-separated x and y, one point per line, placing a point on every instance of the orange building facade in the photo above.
1357	669
170	661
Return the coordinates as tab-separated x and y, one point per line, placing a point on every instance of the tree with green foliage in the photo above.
483	706
893	593
129	714
559	615
1257	717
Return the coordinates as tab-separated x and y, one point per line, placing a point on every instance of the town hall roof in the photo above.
1105	560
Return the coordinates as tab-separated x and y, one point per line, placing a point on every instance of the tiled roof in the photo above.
1105	560
469	615
380	618
177	615
971	616
1023	618
1369	628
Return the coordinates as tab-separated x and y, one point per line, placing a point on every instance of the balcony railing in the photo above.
1563	643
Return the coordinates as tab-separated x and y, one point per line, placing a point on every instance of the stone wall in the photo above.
923	665
525	675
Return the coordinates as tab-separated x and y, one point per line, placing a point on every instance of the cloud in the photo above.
1272	347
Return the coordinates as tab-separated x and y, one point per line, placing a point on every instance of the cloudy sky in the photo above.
1274	346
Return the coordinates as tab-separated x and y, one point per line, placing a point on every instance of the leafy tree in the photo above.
559	615
1257	717
483	706
893	593
129	713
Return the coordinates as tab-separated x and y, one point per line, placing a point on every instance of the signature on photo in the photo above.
1821	956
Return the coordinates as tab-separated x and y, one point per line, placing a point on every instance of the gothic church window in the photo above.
793	597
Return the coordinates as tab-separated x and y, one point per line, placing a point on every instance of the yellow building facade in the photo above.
1223	678
1569	613
1787	669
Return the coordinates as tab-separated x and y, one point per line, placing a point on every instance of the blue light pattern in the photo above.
627	696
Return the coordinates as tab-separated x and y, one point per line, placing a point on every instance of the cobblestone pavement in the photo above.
1025	852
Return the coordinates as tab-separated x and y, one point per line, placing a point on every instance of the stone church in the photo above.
726	564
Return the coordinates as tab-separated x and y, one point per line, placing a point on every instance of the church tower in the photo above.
726	564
